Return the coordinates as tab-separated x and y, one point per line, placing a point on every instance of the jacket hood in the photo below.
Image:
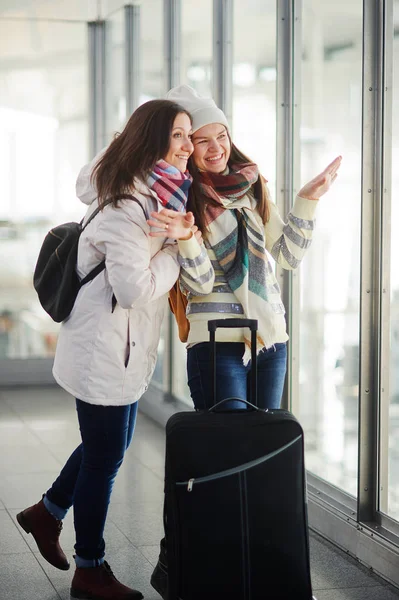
87	193
85	190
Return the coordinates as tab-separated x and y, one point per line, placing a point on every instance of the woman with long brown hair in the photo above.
107	347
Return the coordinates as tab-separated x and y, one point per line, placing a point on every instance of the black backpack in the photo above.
55	278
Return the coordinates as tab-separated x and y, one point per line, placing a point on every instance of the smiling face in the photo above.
180	147
211	148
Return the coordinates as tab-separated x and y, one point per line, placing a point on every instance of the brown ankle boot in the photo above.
46	530
99	583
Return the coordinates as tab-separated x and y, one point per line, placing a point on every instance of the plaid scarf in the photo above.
232	185
170	185
237	238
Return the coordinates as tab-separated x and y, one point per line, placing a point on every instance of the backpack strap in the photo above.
133	198
95	213
109	201
97	270
93	273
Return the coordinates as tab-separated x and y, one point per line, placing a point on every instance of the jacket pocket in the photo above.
127	349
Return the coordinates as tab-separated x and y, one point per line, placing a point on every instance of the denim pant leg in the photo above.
106	432
231	375
62	490
87	478
272	366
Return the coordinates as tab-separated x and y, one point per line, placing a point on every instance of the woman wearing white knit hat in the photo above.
240	226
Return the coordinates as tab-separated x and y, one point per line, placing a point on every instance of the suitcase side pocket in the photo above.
244	467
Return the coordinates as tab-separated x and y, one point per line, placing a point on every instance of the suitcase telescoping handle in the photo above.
252	324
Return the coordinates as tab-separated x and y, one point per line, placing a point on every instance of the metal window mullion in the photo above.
288	91
172	42
370	252
132	57
96	85
385	324
222	72
294	306
172	45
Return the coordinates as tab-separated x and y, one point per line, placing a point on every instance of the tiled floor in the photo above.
37	431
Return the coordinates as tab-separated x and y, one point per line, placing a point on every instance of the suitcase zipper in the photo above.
235	470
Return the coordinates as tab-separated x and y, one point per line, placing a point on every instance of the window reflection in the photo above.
153	84
43	143
254	85
115	90
330	273
197	48
389	493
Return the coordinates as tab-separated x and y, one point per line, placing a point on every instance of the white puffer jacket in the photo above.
106	357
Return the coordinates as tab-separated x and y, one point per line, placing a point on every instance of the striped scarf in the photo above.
237	238
170	185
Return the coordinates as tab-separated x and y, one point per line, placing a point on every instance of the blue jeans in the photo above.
232	377
87	479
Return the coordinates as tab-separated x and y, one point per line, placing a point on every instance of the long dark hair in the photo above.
197	201
134	152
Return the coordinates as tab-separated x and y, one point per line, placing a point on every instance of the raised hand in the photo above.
322	182
174	225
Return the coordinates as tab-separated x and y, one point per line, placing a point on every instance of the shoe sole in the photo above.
77	595
23	523
21	520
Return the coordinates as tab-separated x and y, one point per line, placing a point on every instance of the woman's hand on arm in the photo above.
136	276
319	185
173	224
197	274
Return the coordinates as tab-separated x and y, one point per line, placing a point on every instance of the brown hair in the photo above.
197	201
134	152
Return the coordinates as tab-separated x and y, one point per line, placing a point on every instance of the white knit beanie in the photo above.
203	111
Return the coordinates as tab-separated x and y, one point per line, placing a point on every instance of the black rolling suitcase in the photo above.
235	501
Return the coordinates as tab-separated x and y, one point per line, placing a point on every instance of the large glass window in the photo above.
197	32
330	273
152	50
43	144
254	84
115	88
